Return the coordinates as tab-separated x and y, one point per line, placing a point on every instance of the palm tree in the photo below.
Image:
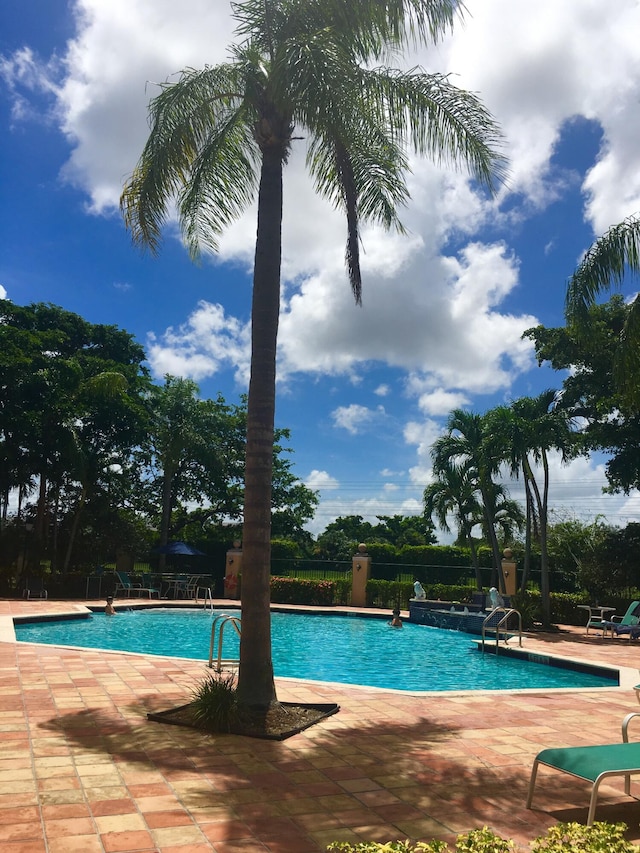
302	68
605	264
470	447
454	494
530	429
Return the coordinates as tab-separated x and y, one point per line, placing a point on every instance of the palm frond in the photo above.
626	362
226	168
372	27
186	118
439	120
604	265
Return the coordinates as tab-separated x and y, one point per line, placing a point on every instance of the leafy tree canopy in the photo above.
590	392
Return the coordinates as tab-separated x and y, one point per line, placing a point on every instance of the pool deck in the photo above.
83	771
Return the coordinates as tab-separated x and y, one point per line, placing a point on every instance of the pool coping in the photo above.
627	677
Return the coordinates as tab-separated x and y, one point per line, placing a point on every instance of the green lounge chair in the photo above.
593	763
627	624
124	584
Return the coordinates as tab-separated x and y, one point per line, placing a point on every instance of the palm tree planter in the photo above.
294	719
218	133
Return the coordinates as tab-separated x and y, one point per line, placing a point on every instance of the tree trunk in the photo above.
527	541
490	514
74	529
474	557
256	686
165	519
545	585
541	503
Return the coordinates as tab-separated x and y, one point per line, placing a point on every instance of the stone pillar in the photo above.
509	572
233	567
360	571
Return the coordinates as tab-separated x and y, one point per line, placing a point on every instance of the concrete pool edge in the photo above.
627	676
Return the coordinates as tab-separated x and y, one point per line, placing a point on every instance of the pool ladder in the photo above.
493	624
217	632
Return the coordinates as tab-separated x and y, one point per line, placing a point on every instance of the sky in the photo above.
364	390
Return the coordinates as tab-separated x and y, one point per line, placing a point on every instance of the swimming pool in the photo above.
347	649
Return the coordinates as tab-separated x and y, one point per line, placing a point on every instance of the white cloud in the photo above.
441	402
321	481
355	418
3	292
201	346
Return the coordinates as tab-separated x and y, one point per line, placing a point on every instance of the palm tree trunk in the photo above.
74	529
527	541
165	519
256	686
490	514
474	556
541	503
545	586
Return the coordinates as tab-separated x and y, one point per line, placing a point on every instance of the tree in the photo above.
606	263
70	406
476	452
610	422
454	494
193	466
302	68
402	530
529	429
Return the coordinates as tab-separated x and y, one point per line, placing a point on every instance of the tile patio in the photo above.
83	771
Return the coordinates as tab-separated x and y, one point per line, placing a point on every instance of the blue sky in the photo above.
366	390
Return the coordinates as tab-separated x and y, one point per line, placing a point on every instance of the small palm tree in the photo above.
454	494
529	429
302	69
470	447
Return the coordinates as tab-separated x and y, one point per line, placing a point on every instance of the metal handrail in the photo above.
222	619
507	611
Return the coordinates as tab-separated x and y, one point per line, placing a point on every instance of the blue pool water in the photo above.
352	650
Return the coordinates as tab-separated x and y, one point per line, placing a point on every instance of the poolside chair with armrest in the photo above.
593	763
124	584
34	588
628	624
149	583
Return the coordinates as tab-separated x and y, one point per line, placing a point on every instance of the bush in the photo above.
213	703
298	591
562	838
381	593
285	549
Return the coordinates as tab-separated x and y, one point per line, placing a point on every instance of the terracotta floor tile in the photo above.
25	847
156	820
20	831
118	842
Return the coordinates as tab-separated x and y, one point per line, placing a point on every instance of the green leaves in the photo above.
302	69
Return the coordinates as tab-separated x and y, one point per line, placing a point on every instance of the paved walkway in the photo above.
81	768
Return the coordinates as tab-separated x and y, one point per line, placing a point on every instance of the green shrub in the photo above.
298	591
213	702
342	591
562	838
577	838
285	549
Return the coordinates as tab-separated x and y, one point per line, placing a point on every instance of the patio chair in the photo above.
593	763
125	584
628	624
148	583
34	588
